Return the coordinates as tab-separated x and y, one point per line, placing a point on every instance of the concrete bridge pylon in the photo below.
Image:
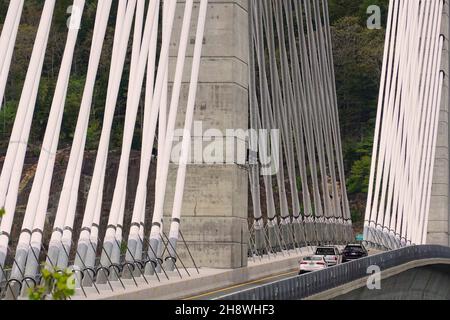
215	224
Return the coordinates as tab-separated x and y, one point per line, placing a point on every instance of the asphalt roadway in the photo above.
251	284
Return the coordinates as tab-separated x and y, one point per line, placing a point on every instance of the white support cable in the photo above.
276	103
68	200
94	228
385	79
409	219
303	79
325	112
39	196
162	129
26	102
387	116
410	91
254	171
299	99
398	142
336	124
186	144
134	90
117	210
402	87
156	230
287	111
322	120
164	160
156	99
307	112
7	42
136	234
166	147
391	217
137	45
331	114
324	115
12	168
316	105
405	140
160	79
266	121
110	106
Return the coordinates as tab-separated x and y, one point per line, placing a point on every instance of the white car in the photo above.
312	263
331	254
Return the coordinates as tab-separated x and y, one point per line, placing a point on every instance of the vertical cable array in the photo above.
15	157
295	150
7	42
407	125
292	90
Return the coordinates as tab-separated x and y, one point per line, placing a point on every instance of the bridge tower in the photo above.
439	216
214	223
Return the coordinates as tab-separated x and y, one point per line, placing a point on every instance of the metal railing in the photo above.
304	286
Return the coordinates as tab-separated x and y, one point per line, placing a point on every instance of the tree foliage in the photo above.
57	284
358	58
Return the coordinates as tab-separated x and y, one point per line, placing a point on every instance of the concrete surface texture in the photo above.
438	221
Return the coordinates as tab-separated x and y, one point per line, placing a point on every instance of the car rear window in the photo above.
325	252
312	259
354	249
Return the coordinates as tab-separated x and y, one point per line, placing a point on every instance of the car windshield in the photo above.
325	252
354	249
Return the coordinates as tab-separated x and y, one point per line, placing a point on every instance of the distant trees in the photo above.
56	45
358	58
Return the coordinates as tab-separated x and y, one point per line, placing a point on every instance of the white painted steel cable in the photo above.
68	200
7	42
26	104
40	191
186	144
138	219
390	31
169	135
110	106
405	137
266	122
117	210
111	250
12	168
158	94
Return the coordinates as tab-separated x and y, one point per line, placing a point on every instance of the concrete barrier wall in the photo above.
421	283
347	277
438	221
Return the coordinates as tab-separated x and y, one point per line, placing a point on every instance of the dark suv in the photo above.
354	252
